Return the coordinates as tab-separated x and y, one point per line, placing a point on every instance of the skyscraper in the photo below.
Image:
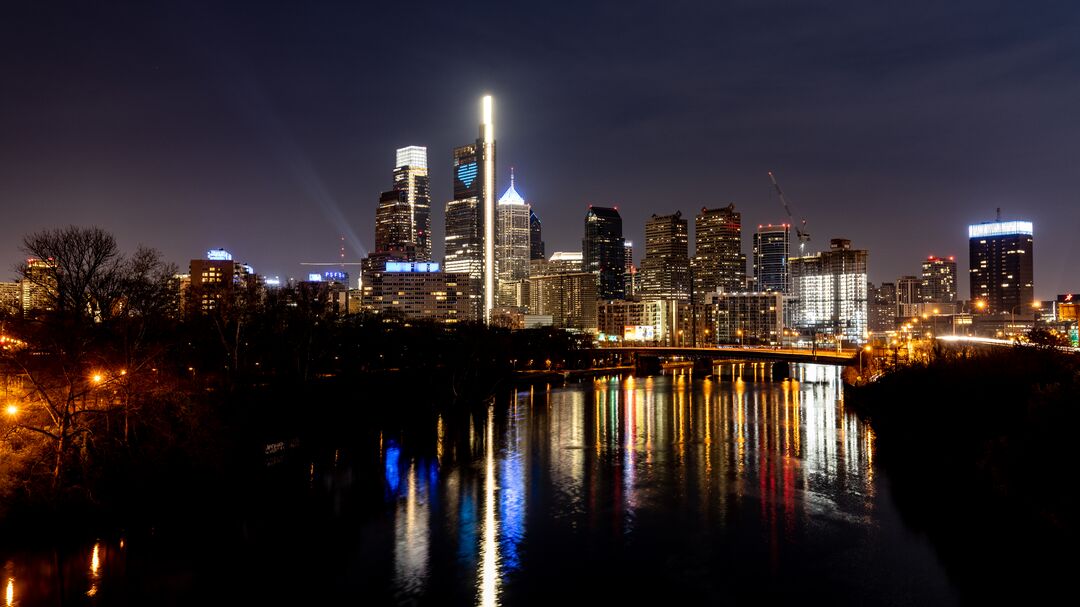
630	277
512	244
470	216
411	178
718	259
1002	267
603	250
830	291
393	226
908	296
665	269
771	258
536	236
939	279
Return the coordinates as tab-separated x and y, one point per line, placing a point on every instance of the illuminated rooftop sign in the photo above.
314	277
218	255
999	228
337	275
411	266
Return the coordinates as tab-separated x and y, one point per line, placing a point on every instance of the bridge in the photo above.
647	358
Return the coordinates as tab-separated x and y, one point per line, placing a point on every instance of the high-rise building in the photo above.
908	296
512	246
1002	266
939	279
393	226
419	291
630	273
39	286
411	177
665	269
829	291
747	318
569	299
881	307
771	252
718	259
536	236
470	216
604	251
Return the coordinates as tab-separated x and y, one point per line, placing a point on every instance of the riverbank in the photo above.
980	452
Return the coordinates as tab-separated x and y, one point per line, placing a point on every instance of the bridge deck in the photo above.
827	357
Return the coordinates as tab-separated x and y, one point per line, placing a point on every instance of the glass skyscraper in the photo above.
718	259
771	258
603	251
411	178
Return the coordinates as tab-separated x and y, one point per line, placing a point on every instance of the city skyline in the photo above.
251	145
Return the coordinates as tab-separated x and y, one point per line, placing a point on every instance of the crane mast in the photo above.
800	228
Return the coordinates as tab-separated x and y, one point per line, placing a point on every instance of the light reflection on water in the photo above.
619	451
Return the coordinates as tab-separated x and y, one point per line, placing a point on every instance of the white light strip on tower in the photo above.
488	129
1000	228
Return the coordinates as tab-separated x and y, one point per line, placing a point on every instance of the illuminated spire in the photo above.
511	196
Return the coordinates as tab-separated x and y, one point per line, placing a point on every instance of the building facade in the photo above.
419	291
1002	266
719	262
665	269
881	307
536	236
411	178
829	292
908	296
512	250
771	252
750	318
939	279
604	251
570	299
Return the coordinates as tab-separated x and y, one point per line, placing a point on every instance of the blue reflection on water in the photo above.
393	471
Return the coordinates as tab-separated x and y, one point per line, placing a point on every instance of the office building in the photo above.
939	279
411	178
215	280
10	298
771	252
512	246
908	296
718	259
829	292
630	273
569	299
393	226
747	318
470	216
881	307
536	236
419	291
604	251
665	269
653	321
1002	267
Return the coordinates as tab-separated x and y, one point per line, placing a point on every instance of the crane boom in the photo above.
800	231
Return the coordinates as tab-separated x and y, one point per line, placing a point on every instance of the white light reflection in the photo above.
489	547
412	532
9	592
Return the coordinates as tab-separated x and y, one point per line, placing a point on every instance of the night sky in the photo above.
269	128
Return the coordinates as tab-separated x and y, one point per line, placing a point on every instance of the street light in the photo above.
738	333
12	410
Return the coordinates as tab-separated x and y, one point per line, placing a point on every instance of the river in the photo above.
615	490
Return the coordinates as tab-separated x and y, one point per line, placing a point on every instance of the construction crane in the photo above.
800	229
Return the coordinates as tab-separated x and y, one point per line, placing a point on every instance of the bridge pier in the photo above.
645	365
703	366
781	370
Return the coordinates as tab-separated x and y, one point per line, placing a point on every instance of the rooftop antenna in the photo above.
999	214
342	251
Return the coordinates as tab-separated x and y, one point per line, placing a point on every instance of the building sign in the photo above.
410	266
639	333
